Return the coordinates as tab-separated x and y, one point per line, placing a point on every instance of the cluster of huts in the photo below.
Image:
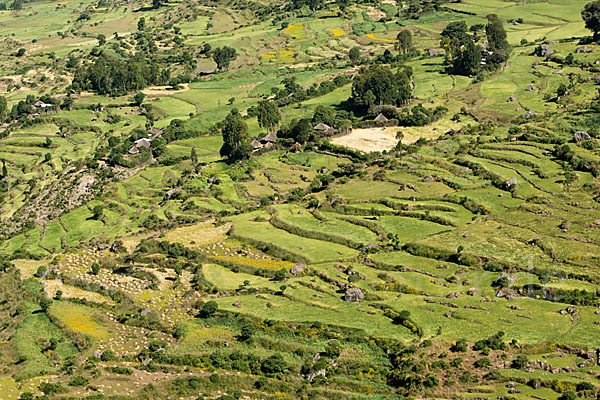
145	143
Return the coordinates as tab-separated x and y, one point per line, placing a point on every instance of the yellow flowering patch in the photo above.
373	37
78	319
268	56
64	2
337	32
261	263
282	55
296	31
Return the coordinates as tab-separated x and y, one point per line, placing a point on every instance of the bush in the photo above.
209	309
273	365
79	380
482	363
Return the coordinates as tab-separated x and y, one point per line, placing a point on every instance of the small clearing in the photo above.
369	139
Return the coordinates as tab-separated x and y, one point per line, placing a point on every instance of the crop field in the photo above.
301	200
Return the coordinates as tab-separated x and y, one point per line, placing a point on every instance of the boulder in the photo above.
297	269
580	136
354	295
173	193
583	49
511	183
543	50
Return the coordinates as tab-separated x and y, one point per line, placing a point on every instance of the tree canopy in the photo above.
378	85
268	115
235	137
223	56
404	41
591	17
111	76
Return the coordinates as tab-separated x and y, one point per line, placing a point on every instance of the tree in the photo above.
194	156
98	211
404	41
342	4
455	30
139	98
45	303
20	52
141	25
354	55
591	17
379	85
157	4
223	57
273	365
246	332
3	107
562	90
569	394
323	114
496	36
16	5
519	362
4	169
47	157
280	274
209	309
101	39
268	115
235	137
468	59
95	269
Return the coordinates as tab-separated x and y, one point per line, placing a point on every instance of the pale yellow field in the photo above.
52	286
199	234
369	139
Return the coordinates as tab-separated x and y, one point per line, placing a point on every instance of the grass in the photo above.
80	319
315	250
36	327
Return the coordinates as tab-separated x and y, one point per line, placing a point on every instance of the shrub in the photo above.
273	365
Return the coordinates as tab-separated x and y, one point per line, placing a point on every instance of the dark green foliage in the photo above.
49	388
569	394
209	309
591	17
482	363
404	42
378	85
519	362
139	98
354	55
111	76
420	116
275	364
223	56
459	346
494	342
268	115
235	137
496	36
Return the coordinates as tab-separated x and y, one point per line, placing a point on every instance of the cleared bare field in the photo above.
369	139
